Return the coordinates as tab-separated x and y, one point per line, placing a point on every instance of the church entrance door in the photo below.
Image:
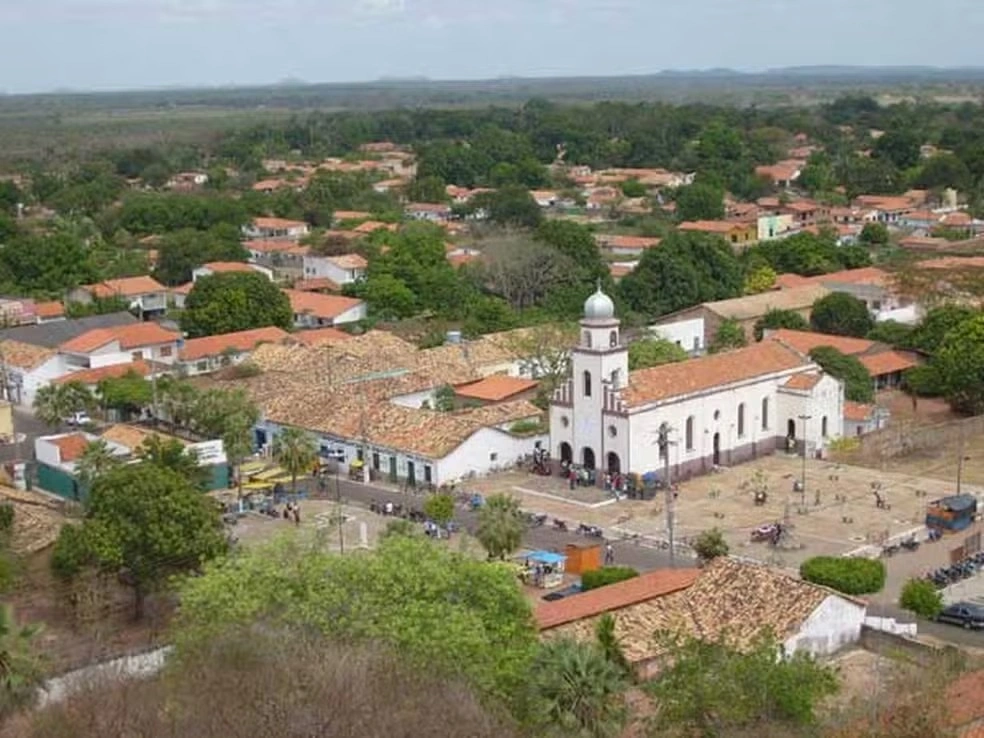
717	449
587	458
566	453
791	430
614	463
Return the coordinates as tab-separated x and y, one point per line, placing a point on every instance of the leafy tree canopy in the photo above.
653	352
234	301
959	364
857	381
775	319
841	314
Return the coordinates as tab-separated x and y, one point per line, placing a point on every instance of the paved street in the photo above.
31	427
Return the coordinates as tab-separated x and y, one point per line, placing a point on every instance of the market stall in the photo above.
544	569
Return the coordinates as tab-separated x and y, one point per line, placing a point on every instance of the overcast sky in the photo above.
113	44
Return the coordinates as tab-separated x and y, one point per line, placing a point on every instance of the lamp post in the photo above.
663	441
803	419
960	461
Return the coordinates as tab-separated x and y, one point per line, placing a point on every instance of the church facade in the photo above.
720	409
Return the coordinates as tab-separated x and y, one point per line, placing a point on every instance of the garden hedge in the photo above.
852	576
605	576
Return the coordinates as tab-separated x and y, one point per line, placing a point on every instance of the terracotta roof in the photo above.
927	215
885	203
780	171
957	219
887	362
805	381
709	226
612	597
428	207
370	226
496	388
70	447
351	215
24	355
686	377
348	261
113	371
183	289
755	306
786	281
864	275
620	270
857	411
129	336
321	335
953	262
317	284
626	242
199	348
132	437
318	305
801	206
729	599
277	223
227	266
126	287
806	341
52	309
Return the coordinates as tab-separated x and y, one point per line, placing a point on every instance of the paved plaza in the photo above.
836	515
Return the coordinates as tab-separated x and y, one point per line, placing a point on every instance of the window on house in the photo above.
587	339
615	379
741	420
493	456
202	366
587	384
823	426
690	433
166	350
428	476
136	356
765	413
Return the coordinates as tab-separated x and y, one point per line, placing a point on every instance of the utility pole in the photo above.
803	419
960	459
663	441
338	511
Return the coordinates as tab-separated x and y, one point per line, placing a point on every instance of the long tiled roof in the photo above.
199	348
695	375
23	355
755	306
113	371
129	336
731	600
318	305
55	333
125	287
355	380
806	341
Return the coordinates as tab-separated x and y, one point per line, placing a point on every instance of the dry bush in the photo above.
274	684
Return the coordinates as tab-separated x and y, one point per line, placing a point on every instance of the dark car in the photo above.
562	593
967	614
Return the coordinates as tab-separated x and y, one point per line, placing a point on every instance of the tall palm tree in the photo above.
49	405
295	451
97	458
20	666
581	693
500	525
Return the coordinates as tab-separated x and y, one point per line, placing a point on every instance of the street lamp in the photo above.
803	419
960	462
664	443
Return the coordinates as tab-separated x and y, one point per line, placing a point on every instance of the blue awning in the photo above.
546	557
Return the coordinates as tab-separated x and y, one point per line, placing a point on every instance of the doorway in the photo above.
587	458
411	474
614	463
392	472
791	429
717	449
566	453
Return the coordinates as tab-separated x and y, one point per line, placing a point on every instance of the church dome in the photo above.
599	306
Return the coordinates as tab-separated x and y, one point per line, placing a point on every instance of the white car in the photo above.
79	418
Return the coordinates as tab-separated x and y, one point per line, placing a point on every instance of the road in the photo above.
627	553
31	427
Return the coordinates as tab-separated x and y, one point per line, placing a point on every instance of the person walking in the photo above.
609	554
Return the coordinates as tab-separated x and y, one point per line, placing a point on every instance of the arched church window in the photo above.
613	339
587	339
587	384
741	419
690	433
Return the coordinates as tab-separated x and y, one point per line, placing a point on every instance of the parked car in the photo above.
967	614
78	419
560	594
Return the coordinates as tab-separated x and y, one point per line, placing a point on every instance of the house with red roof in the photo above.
143	294
211	353
315	310
341	269
276	229
229	267
120	345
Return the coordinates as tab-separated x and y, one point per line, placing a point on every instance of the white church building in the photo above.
721	409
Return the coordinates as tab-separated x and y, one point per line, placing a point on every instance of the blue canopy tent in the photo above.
545	568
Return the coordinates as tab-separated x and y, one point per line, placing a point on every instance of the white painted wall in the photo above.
31	381
111	354
687	334
415	400
352	315
834	624
485	451
316	267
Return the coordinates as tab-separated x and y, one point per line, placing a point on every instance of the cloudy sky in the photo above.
113	44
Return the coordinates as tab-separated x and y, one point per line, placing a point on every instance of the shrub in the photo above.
922	598
710	544
605	576
525	427
852	576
